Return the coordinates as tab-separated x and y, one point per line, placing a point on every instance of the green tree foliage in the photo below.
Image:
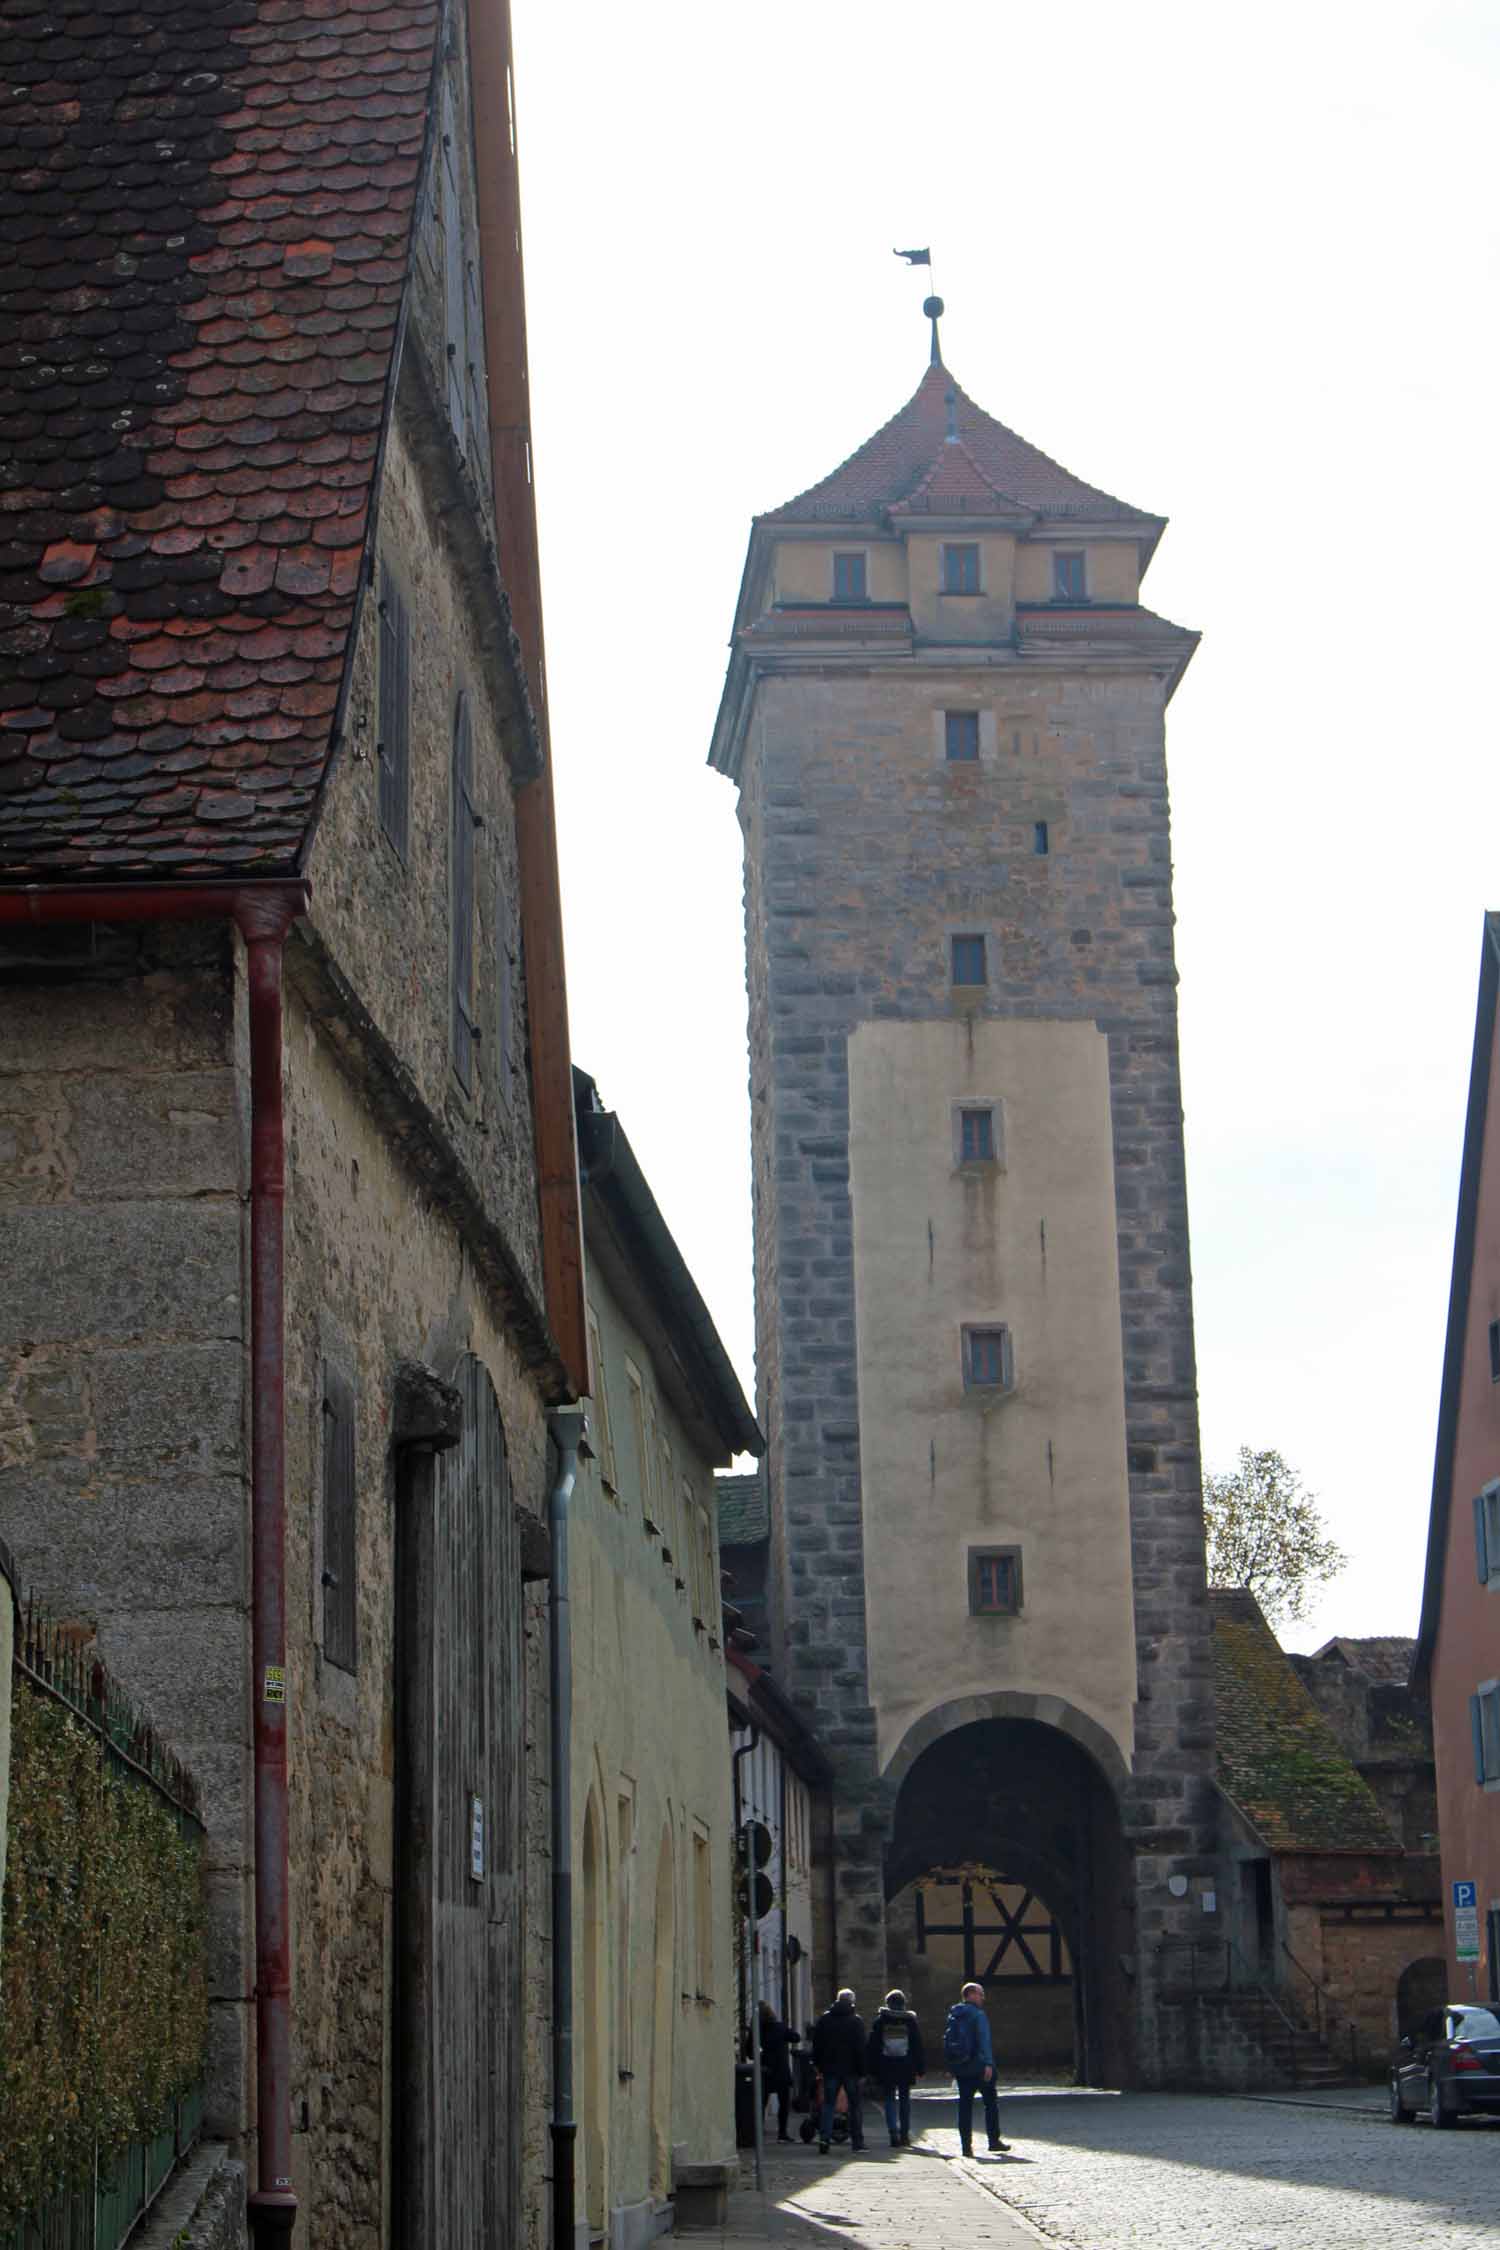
103	1999
1266	1532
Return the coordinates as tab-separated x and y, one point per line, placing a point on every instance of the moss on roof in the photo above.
744	1510
1277	1758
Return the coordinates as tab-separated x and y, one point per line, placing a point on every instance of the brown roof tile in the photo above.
903	467
207	207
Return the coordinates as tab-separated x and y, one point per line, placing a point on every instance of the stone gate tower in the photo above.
944	715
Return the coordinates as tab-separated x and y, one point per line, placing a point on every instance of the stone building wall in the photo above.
123	1471
864	853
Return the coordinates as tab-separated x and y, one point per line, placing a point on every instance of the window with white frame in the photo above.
1487	1533
1484	1719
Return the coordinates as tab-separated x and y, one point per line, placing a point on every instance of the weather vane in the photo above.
931	306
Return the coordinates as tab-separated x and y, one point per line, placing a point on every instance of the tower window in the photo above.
968	960
960	570
849	579
1040	841
1495	1351
961	737
988	1361
994	1581
1067	578
976	1136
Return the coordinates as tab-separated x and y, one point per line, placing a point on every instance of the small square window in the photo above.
976	1136
968	960
849	578
1067	578
961	737
988	1364
994	1581
1041	842
1495	1351
960	570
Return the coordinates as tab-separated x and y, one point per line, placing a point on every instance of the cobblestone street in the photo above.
1142	2172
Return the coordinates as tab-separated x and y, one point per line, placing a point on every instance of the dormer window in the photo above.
849	584
1067	579
960	570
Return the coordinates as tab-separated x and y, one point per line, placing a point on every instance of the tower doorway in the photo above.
1007	1868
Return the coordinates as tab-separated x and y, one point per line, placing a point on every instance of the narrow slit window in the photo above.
960	570
968	959
1068	578
1495	1351
994	1581
849	583
1041	841
393	716
976	1136
461	896
988	1363
961	737
340	1636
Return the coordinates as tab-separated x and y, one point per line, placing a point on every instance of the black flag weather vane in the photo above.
932	306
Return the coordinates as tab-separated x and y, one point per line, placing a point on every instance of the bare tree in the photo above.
1266	1532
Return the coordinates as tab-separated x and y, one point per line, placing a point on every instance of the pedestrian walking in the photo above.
775	2064
894	2058
838	2045
971	2058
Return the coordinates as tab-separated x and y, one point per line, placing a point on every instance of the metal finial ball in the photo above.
933	308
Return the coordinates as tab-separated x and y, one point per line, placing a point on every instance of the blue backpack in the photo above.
960	2037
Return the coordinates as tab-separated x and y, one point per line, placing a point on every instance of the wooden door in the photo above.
460	1747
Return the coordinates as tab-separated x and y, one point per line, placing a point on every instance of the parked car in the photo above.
1448	2067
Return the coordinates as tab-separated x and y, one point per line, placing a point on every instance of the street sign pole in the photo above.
1466	1930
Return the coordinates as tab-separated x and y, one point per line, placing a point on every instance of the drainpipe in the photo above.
263	911
569	1428
752	1950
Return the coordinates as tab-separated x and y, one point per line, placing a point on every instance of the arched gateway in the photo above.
945	717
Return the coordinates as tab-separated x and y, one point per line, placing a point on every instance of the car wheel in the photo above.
1400	2114
1435	2110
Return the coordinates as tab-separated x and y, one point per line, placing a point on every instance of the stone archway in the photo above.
1020	1810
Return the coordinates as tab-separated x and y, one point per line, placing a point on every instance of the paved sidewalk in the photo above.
887	2199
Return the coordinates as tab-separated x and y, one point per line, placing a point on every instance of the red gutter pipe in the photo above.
263	911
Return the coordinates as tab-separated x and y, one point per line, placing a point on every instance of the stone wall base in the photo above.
203	2208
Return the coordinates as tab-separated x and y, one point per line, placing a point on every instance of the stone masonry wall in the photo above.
122	1469
864	853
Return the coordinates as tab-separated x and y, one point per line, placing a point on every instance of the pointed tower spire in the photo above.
933	308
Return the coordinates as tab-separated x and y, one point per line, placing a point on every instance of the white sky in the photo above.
1235	266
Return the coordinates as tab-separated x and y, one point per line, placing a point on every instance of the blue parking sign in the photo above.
1465	1894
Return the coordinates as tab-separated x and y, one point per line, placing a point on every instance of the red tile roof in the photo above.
909	466
206	207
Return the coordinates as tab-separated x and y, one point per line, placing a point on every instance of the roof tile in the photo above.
208	205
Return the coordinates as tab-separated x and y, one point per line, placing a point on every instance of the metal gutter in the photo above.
569	1431
263	911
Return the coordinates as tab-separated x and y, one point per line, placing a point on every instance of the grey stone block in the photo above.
145	1133
121	1270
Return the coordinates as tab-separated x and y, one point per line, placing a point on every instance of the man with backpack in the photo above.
838	2045
971	2058
895	2058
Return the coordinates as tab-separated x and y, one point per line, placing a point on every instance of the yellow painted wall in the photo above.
1030	1244
650	1727
803	570
1111	567
962	617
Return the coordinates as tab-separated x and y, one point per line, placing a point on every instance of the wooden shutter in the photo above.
1481	1543
393	715
455	300
461	894
340	1643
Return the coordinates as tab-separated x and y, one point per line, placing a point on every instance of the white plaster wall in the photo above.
649	1722
1032	1244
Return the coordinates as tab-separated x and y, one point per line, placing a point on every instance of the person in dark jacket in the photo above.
838	2045
971	2058
775	2064
894	2058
